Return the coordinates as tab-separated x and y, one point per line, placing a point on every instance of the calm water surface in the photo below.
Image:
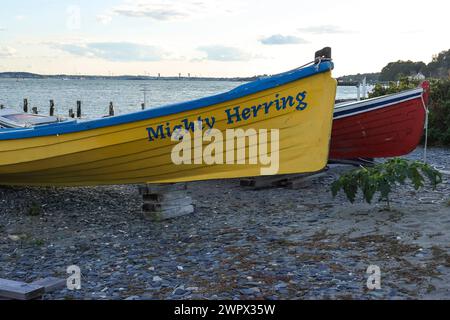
127	95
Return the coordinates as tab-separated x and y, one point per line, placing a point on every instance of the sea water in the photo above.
126	95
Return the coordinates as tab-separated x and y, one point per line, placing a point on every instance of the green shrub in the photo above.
393	87
34	210
383	178
439	120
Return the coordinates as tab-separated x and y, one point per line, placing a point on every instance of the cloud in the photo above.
155	9
278	39
7	52
152	12
169	10
114	51
20	17
104	18
224	53
323	29
2	29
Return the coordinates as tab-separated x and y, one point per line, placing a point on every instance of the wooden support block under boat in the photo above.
168	205
263	182
165	201
161	188
292	181
302	181
172	197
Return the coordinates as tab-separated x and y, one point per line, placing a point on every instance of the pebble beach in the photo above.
240	244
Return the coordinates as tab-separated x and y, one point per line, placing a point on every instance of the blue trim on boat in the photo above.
374	105
239	92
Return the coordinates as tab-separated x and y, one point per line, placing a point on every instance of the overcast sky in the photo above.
216	38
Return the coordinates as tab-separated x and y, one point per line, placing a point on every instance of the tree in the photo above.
396	70
440	66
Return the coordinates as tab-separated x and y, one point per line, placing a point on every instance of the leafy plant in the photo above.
34	210
383	178
403	84
439	121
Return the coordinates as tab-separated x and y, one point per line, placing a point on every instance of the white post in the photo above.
364	84
359	92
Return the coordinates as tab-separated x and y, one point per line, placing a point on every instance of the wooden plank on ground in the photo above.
51	284
263	181
291	181
20	290
303	181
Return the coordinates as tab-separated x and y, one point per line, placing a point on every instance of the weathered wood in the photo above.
161	188
170	213
52	108
292	181
20	290
165	201
78	109
143	106
111	109
168	205
51	284
165	197
71	113
35	110
303	181
25	105
263	181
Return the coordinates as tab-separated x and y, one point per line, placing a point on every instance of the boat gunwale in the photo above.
386	96
377	103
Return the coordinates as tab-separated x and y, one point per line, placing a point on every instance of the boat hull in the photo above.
390	126
124	154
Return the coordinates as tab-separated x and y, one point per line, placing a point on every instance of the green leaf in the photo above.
383	178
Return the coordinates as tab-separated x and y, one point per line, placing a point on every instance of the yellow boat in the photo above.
139	147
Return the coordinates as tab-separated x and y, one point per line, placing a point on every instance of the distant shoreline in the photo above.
27	75
352	79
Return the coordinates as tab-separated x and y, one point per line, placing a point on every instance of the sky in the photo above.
216	38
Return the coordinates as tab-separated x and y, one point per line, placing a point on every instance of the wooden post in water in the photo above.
25	105
35	110
71	113
143	106
2	106
52	108
78	109
111	109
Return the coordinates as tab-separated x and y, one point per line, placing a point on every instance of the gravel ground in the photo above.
240	244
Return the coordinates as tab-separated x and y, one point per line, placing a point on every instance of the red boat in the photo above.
382	127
